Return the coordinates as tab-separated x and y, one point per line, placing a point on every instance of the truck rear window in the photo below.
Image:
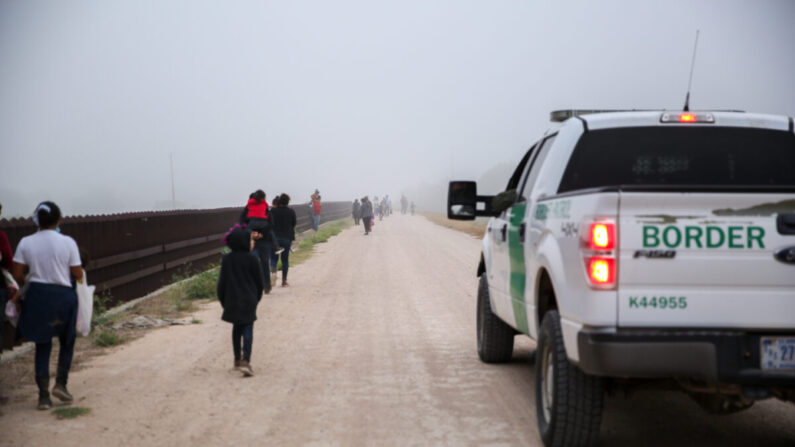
682	158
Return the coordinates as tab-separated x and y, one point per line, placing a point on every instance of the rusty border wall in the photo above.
131	254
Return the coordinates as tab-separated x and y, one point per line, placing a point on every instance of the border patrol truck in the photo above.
643	247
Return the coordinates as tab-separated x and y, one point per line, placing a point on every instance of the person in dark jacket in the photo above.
367	214
357	211
240	287
256	217
284	221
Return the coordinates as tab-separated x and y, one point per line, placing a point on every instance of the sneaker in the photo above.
237	365
44	403
285	284
245	368
60	391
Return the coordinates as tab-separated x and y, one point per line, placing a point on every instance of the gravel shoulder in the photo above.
373	344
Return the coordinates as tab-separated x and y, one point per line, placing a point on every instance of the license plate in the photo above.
778	352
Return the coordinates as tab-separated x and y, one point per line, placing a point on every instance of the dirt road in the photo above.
373	344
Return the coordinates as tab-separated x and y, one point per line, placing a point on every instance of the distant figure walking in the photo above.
50	305
357	212
240	286
367	214
284	222
317	210
382	209
404	204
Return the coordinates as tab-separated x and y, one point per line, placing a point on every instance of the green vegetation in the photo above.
101	303
195	321
70	412
306	247
105	337
202	285
190	288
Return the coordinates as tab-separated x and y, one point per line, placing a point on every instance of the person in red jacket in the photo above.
317	209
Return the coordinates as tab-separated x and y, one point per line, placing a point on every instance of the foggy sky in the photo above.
351	97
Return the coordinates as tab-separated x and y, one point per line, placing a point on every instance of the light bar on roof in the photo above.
687	117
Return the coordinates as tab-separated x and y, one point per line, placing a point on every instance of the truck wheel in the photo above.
568	401
495	338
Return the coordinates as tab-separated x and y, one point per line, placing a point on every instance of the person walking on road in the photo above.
317	209
240	287
50	305
404	204
256	217
284	222
367	214
357	212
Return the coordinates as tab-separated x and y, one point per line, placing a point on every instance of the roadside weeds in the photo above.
475	228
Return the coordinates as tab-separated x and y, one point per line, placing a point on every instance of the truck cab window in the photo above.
513	183
533	169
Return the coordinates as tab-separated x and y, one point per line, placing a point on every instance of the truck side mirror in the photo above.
463	200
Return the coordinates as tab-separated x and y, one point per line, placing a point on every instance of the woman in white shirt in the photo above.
49	307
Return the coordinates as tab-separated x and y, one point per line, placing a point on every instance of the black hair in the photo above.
284	199
259	195
47	214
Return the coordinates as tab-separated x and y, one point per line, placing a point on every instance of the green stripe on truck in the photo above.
518	276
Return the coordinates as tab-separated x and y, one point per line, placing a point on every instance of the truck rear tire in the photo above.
568	401
495	338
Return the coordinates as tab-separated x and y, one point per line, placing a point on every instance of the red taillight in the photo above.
687	118
599	251
602	270
602	236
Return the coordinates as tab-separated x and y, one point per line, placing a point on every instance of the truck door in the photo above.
500	272
528	233
514	221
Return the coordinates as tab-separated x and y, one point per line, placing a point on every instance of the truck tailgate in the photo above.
704	260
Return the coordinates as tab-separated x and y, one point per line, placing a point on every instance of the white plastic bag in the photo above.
10	282
85	306
11	313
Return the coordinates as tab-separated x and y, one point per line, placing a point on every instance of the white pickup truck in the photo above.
643	247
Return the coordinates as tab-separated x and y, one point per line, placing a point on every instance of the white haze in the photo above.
351	97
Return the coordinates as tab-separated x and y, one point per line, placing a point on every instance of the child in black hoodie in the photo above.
240	287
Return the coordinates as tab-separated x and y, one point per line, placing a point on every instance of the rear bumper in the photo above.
709	355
